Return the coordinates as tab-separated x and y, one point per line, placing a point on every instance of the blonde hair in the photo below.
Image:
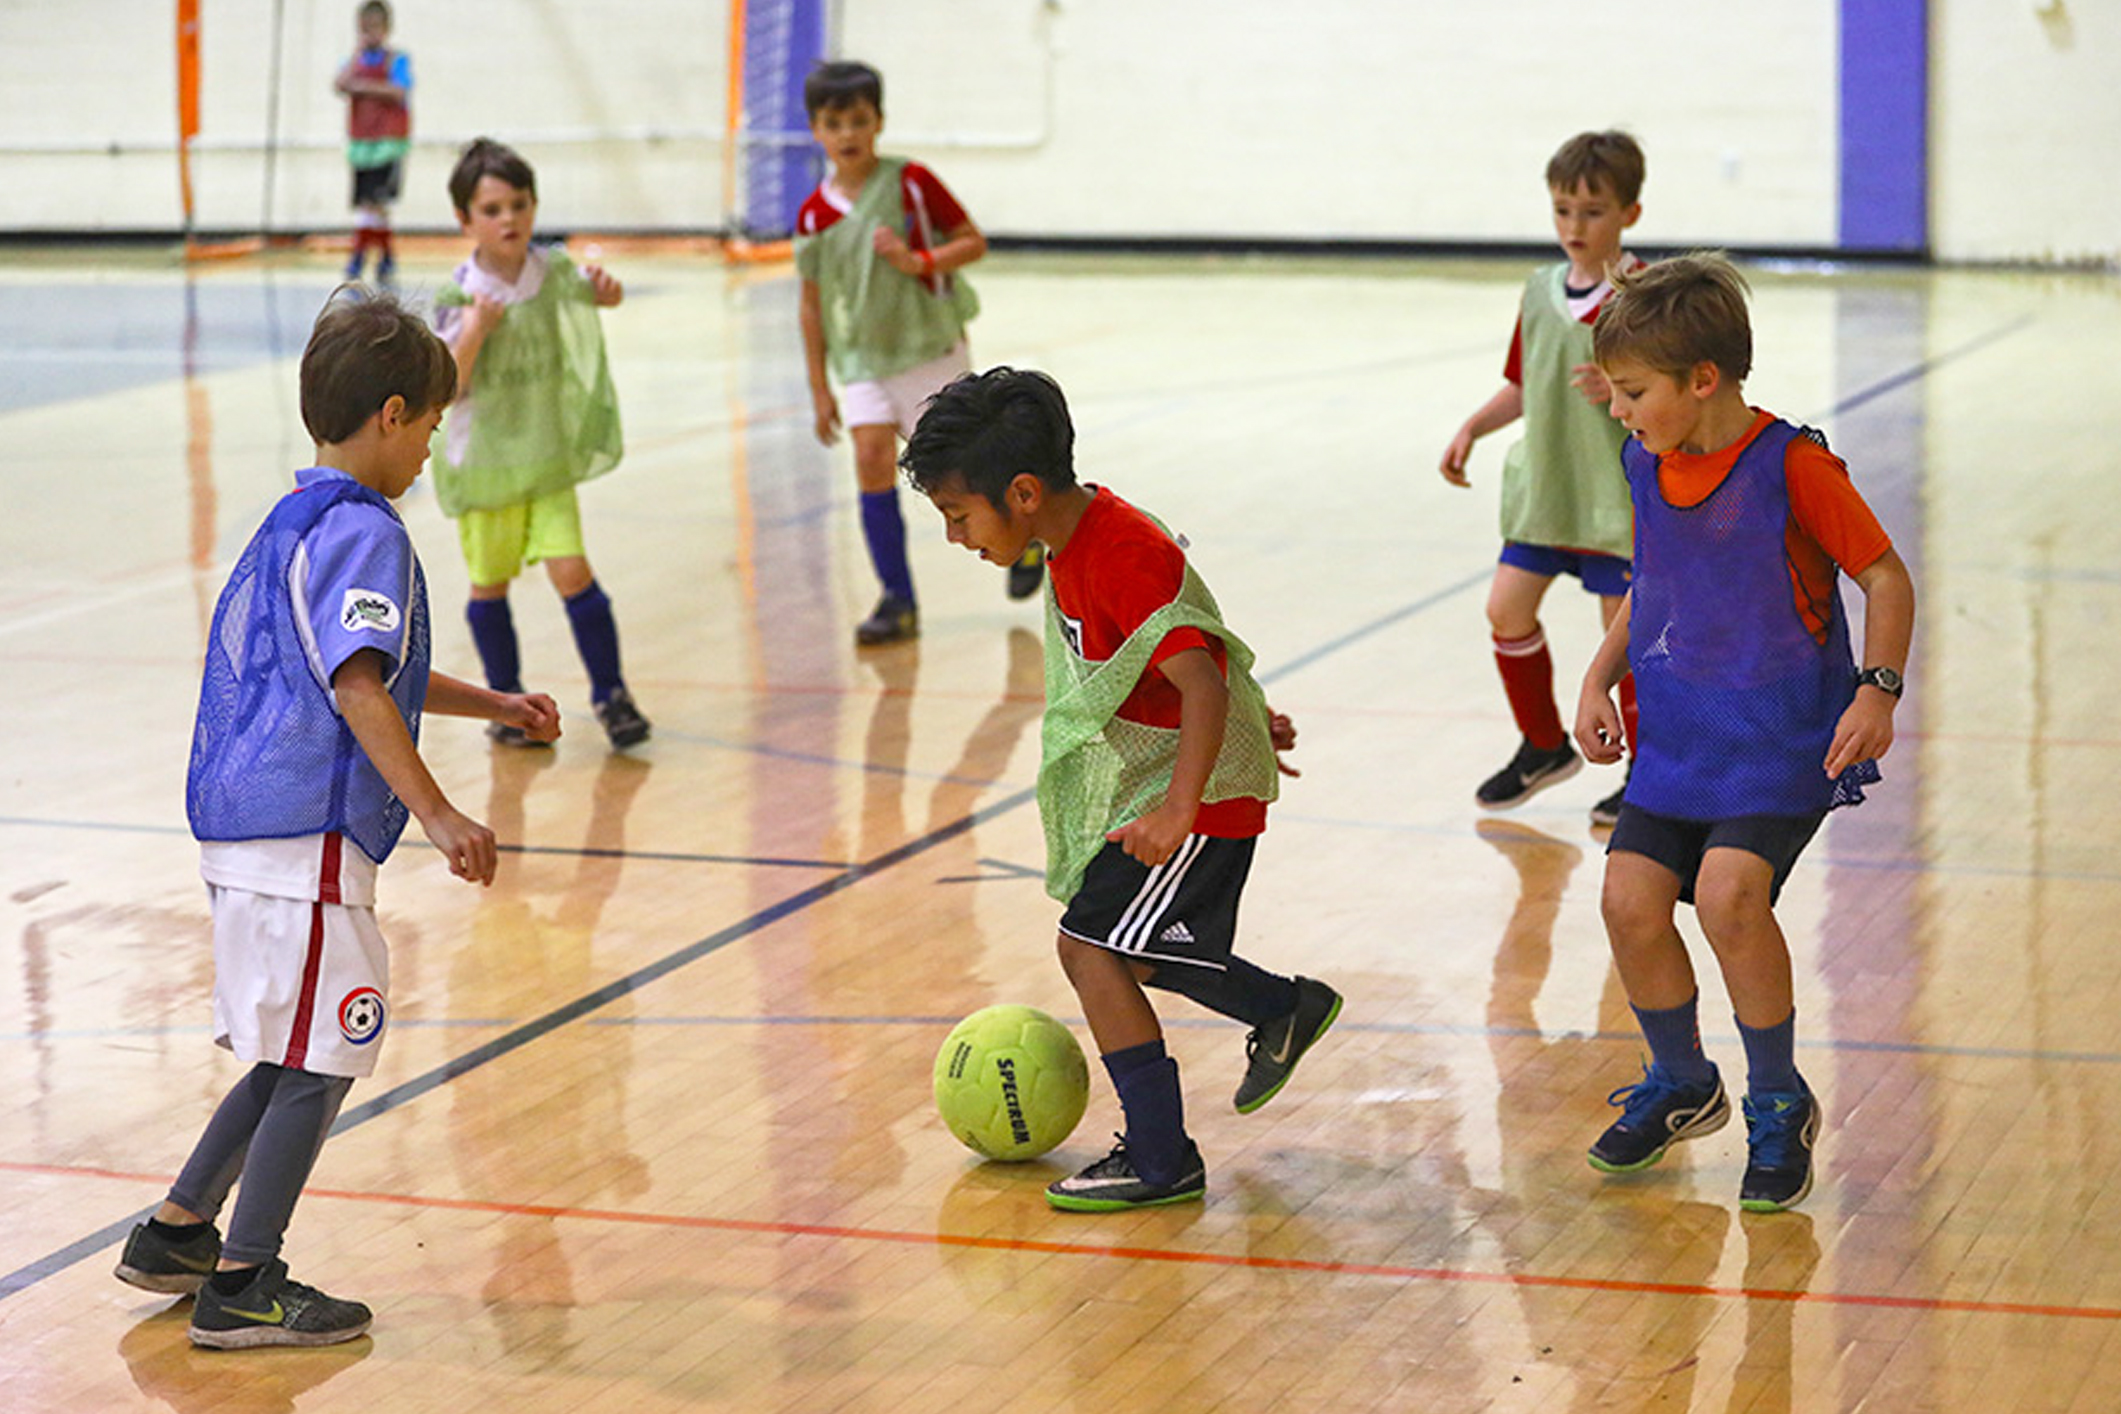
1677	313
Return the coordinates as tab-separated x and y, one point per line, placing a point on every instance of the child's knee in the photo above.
1734	903
1633	912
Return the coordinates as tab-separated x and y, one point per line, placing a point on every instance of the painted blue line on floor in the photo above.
1923	369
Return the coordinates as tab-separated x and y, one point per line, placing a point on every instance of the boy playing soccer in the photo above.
536	416
1160	758
1755	721
877	246
1564	500
304	766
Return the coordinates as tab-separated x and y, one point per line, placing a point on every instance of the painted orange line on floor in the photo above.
1153	1254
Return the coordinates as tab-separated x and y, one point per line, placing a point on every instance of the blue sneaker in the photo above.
1657	1113
1780	1128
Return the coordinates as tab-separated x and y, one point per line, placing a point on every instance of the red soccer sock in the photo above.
1528	678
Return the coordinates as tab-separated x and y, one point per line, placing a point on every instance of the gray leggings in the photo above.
268	1132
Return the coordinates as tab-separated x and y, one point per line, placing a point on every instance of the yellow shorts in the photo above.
498	543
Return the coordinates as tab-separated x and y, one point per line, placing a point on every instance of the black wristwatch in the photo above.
1884	679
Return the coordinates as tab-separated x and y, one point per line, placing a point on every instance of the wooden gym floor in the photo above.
653	1129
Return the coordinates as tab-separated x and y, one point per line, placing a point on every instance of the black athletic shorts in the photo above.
1183	911
377	186
1679	844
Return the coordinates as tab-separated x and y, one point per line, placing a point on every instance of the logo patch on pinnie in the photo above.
361	1015
370	610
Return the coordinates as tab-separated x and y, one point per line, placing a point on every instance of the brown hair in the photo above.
483	157
1611	159
365	350
1677	313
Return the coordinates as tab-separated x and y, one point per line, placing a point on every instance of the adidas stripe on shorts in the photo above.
1183	911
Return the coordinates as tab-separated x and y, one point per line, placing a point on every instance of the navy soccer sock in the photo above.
596	638
1239	990
493	632
885	531
1771	1056
1147	1081
1674	1035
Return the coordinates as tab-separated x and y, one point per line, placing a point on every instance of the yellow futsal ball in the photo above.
1011	1082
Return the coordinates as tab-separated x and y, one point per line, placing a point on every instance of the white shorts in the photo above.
898	400
299	984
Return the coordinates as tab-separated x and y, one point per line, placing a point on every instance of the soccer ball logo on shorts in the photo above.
1011	1082
361	1015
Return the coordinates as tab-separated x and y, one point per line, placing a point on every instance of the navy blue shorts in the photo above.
1679	844
1607	576
377	186
1183	911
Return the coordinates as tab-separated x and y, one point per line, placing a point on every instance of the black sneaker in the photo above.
274	1310
622	721
891	621
1659	1113
1530	771
154	1263
1028	573
1780	1130
502	734
1607	811
1272	1051
1111	1185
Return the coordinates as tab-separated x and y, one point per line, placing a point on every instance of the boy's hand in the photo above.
895	252
464	842
1598	729
1589	379
1453	465
1865	731
537	714
825	412
486	311
1156	836
1282	732
603	285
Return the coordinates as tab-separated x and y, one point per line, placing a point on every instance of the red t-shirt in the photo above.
1117	571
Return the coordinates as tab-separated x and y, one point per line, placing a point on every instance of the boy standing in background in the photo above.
377	83
1564	500
878	246
536	415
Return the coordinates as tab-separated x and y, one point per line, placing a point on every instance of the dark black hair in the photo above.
486	158
835	83
986	429
366	349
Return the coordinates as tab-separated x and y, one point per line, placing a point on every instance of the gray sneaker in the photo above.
1272	1051
154	1263
1111	1185
274	1310
621	720
893	620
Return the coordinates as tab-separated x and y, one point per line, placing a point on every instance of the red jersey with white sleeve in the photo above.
931	212
1583	307
1119	568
